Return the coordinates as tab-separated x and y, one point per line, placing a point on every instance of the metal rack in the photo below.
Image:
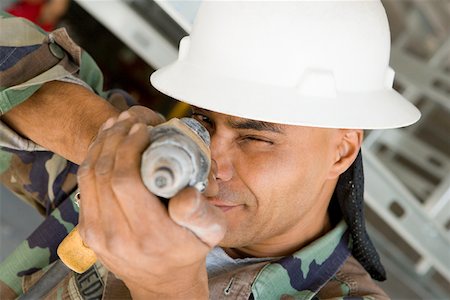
407	170
133	29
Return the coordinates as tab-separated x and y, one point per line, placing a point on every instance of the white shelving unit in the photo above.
407	170
133	30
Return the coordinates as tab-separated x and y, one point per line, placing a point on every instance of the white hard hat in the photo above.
311	63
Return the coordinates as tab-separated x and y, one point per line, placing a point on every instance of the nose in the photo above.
221	156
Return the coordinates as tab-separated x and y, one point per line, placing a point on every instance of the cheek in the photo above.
288	175
259	172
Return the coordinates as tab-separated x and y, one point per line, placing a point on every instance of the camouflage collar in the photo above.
307	270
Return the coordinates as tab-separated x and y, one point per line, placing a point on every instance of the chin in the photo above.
234	240
227	242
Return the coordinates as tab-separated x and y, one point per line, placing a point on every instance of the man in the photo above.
285	96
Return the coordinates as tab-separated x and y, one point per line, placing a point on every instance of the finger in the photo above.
86	171
95	174
136	201
110	136
91	208
192	211
98	136
104	167
212	189
146	115
104	163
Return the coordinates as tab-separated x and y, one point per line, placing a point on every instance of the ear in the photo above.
346	151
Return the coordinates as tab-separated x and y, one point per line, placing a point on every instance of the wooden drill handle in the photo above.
75	254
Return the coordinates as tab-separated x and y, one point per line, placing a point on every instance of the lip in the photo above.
224	206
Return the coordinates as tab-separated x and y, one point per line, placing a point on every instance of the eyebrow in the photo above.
246	123
255	125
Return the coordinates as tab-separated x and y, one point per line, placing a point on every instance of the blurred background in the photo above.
407	170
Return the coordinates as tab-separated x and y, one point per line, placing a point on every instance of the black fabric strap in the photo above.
350	196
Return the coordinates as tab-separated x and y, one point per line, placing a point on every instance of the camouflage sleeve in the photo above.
48	182
38	250
29	57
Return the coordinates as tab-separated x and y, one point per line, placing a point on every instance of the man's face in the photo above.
272	178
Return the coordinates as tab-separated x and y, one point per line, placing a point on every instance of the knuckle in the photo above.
146	115
103	166
123	150
132	119
114	242
122	186
118	243
194	200
85	169
119	128
119	181
200	211
185	204
89	235
149	248
156	118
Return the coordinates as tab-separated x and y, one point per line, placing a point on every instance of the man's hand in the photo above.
158	252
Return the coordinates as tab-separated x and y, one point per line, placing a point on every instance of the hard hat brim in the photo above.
379	109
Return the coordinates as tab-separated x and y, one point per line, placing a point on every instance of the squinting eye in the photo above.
256	139
202	119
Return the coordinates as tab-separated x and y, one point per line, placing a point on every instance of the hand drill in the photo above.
177	157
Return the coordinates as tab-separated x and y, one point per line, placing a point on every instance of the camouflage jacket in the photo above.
29	57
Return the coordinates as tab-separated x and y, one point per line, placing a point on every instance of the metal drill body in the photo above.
177	157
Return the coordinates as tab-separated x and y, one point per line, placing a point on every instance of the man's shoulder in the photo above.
351	280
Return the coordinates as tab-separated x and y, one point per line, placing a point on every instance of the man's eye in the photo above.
256	139
202	119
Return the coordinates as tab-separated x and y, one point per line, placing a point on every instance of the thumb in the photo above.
190	209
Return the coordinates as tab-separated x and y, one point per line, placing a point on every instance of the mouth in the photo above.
223	205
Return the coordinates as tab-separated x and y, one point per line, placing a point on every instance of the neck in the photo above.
312	226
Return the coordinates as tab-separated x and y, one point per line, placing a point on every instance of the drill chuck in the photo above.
177	157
